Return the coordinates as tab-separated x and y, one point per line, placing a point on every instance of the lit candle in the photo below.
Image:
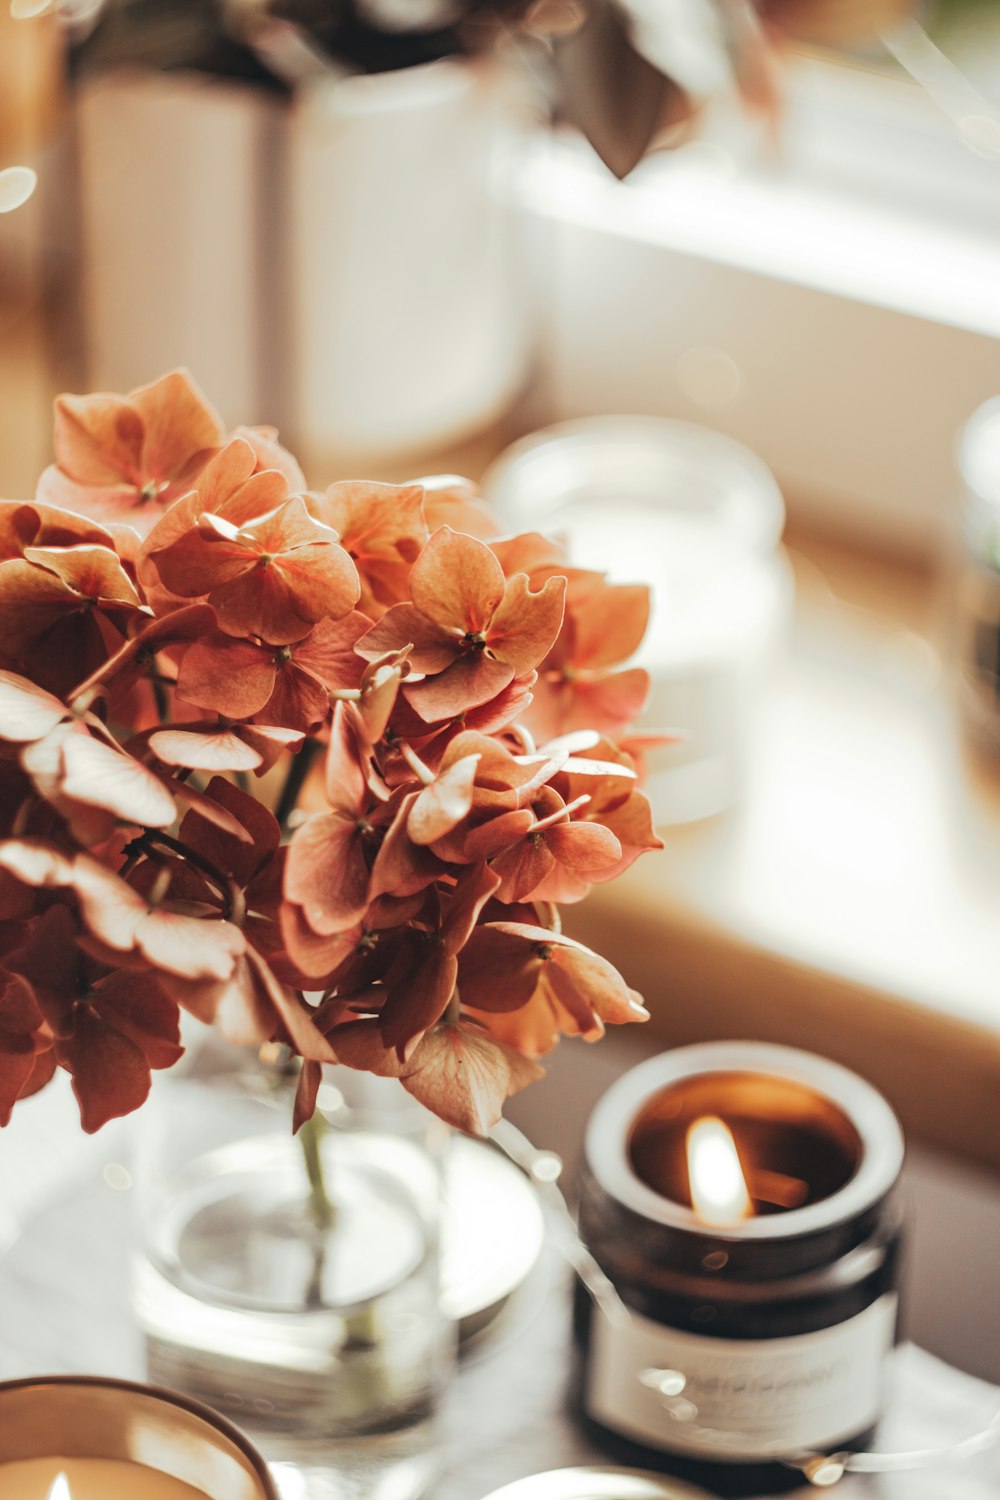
741	1199
84	1438
89	1479
718	1185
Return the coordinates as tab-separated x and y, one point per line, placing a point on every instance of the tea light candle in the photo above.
742	1199
89	1479
85	1438
596	1484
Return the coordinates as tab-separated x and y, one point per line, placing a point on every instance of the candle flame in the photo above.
60	1489
718	1187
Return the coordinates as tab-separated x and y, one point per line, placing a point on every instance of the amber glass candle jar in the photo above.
759	1302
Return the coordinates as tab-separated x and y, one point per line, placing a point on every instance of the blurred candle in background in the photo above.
699	518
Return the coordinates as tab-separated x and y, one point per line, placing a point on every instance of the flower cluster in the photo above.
197	655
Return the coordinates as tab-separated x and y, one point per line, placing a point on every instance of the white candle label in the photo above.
739	1399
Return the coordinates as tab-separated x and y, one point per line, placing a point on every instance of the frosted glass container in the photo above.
698	517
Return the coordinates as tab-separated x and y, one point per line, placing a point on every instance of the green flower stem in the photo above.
311	1140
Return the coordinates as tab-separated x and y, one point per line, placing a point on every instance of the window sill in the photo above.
831	303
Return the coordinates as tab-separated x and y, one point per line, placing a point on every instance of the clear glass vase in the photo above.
293	1283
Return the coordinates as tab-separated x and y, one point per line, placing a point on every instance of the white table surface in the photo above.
64	1307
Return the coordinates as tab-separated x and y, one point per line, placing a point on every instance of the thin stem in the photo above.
294	781
160	697
548	915
107	669
310	1138
423	773
232	895
453	1009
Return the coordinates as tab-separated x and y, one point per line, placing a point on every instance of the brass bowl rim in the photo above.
168	1397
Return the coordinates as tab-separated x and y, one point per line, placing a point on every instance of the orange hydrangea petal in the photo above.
468	682
98	439
457	582
227	675
527	622
464	1077
177	421
433	647
327	874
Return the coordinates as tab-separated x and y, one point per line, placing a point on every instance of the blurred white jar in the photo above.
408	330
977	601
699	518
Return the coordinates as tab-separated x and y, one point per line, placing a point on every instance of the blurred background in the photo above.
716	292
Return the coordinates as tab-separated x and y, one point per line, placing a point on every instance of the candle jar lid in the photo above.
598	1483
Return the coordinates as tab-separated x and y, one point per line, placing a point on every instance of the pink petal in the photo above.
583	846
98	439
177	422
346	784
272	455
216	750
137	1008
433	647
464	1078
240	857
292	1012
35	863
286	528
270	741
316	955
110	1075
465	905
498	970
443	804
401	867
327	874
328	650
227	676
526	623
306	1090
457	582
471	680
193	947
522	869
610	628
27	712
299	700
100	776
92	571
502	832
452	501
577	972
359	1044
417	1001
529	552
283	601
